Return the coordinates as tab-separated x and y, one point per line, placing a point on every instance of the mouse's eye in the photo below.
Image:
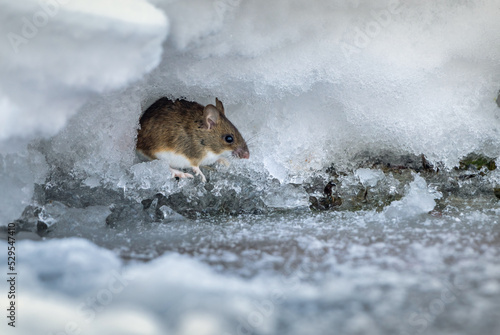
229	139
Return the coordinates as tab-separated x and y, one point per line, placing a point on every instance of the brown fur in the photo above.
187	128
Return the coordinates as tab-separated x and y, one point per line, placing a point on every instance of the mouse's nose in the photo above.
241	153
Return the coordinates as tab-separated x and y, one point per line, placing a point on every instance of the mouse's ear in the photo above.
219	106
210	116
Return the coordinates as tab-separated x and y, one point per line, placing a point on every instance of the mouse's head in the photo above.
223	135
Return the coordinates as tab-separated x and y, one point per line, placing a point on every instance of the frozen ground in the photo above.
293	273
361	210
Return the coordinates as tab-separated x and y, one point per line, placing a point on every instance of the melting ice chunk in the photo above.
419	200
369	177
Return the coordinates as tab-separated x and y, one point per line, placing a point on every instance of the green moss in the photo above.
478	161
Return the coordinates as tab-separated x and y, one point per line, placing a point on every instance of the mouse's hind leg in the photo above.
198	172
180	174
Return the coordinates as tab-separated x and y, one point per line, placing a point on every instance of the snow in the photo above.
318	90
295	90
56	64
56	56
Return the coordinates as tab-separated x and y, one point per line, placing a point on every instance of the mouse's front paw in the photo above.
198	172
180	174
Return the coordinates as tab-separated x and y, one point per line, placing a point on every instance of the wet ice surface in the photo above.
287	274
410	268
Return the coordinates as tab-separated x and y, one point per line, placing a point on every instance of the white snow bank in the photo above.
56	54
82	286
314	84
320	82
71	285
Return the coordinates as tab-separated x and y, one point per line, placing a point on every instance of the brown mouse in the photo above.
186	134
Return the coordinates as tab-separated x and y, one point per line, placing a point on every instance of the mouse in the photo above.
187	134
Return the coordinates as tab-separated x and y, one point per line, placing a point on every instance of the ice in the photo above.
18	173
307	274
286	196
420	199
369	177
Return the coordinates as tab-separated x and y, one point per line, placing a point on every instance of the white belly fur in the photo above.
210	158
181	162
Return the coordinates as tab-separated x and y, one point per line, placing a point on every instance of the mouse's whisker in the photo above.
256	134
253	138
252	143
